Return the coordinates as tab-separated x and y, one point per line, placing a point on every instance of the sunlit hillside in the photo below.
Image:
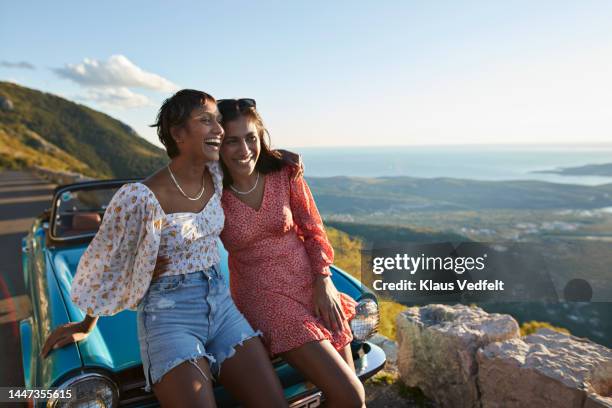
38	128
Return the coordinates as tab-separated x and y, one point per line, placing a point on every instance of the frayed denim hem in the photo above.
232	351
192	359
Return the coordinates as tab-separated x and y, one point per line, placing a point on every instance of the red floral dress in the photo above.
275	253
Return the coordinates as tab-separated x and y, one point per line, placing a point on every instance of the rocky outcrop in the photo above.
438	345
546	369
464	357
6	104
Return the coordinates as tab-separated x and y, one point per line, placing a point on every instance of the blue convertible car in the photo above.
105	370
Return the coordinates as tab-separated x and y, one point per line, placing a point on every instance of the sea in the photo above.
465	162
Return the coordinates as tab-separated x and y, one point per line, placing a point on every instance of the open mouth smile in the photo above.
245	160
213	142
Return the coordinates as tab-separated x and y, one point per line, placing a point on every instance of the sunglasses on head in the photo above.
228	106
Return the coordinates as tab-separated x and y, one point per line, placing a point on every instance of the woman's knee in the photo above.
250	377
188	384
344	392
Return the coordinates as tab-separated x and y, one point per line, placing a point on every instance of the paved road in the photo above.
22	197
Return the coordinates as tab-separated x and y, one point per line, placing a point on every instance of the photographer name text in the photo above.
430	285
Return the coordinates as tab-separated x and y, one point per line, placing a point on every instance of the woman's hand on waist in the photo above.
162	265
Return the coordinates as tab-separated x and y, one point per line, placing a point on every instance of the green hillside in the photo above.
389	233
38	128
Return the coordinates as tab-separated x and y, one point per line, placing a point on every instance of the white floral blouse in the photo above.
115	270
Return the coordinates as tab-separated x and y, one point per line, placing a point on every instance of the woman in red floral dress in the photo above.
279	259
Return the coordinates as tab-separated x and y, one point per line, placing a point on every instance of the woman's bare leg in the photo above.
321	364
186	385
249	376
347	356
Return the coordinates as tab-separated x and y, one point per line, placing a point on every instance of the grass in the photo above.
533	326
384	378
388	314
391	383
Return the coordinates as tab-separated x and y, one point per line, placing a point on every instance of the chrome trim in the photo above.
372	361
51	403
311	401
61	239
78	186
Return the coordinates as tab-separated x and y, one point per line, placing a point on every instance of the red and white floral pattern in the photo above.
275	253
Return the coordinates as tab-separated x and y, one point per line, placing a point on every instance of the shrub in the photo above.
533	326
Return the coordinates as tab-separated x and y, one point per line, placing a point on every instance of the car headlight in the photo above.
87	390
365	322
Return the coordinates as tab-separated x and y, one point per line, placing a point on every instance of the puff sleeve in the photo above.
116	268
310	226
217	176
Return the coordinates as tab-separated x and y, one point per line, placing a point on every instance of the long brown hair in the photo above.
269	160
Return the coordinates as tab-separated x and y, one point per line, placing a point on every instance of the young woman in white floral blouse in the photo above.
188	326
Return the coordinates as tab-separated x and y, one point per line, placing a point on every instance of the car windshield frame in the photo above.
77	187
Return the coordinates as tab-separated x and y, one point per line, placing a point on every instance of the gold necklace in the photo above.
246	192
181	190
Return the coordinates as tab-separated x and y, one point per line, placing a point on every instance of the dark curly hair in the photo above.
175	111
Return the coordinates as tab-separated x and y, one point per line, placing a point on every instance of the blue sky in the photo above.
333	73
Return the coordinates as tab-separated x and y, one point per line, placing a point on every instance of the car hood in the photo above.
113	345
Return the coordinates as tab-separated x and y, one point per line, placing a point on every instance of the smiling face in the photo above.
201	135
241	146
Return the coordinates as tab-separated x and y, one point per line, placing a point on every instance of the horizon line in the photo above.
583	145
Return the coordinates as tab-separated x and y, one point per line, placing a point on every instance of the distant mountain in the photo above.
38	128
586	170
359	196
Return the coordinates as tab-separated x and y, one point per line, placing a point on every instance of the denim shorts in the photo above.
187	317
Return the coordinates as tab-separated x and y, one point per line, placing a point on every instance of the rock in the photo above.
597	401
388	346
545	369
437	347
6	104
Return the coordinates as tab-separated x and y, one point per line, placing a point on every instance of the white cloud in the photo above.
108	83
116	97
118	71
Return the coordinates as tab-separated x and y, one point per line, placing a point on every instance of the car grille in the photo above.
131	388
